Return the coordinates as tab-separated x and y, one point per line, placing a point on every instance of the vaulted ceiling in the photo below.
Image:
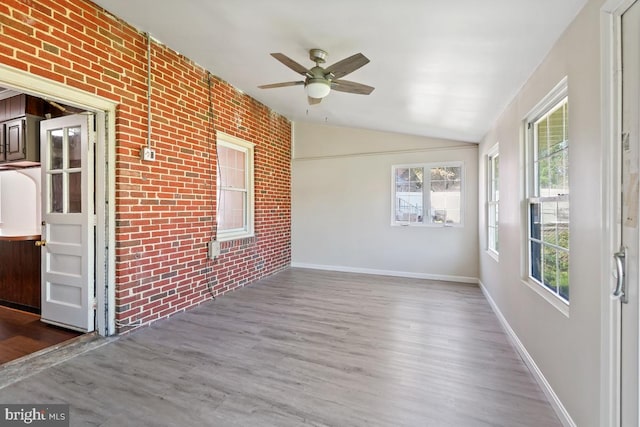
440	68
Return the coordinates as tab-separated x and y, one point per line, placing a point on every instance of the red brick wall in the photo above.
165	210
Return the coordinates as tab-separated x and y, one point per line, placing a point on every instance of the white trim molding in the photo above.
610	88
551	395
392	273
25	82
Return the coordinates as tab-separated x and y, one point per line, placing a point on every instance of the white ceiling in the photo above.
441	68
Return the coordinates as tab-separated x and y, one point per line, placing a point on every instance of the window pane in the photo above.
416	180
445	207
536	252
231	170
409	195
445	194
232	205
566	121
493	226
75	147
495	193
563	224
542	138
402	187
563	274
223	161
556	131
75	192
55	149
543	187
402	175
550	267
558	182
56	193
409	207
549	222
239	170
493	214
535	220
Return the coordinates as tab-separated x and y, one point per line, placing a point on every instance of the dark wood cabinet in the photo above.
20	274
14	139
21	105
20	139
19	128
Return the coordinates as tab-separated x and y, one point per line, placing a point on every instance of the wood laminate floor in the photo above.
306	347
23	333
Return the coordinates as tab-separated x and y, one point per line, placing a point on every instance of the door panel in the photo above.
630	26
68	282
15	139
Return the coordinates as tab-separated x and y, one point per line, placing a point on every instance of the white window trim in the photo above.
491	155
427	201
235	143
556	95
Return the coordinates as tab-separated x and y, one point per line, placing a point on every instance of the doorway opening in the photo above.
38	179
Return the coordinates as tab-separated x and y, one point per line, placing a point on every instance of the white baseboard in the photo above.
553	398
392	273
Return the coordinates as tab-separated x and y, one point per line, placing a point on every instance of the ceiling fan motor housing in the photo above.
318	56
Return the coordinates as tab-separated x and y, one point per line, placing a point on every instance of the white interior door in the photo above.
629	321
68	282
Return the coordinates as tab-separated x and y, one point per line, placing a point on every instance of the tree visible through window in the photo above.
427	194
549	199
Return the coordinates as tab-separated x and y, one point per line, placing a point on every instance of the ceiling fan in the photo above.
319	81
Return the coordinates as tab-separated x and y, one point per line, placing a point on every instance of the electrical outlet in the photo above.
213	249
148	154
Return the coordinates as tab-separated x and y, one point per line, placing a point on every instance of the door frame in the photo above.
611	91
104	185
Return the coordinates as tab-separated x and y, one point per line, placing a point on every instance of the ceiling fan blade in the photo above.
290	63
347	65
284	84
351	87
314	101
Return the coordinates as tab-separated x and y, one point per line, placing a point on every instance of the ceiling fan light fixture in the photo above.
318	88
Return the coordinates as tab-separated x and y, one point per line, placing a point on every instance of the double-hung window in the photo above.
235	187
493	197
424	194
548	194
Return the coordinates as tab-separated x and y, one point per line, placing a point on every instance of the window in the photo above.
235	187
427	194
493	196
548	191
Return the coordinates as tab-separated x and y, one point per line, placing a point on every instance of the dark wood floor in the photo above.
306	347
23	333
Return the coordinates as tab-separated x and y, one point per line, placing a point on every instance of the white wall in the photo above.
341	205
20	202
565	349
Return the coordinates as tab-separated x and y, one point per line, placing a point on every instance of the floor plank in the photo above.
306	347
23	333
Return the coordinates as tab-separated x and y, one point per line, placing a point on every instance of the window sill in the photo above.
493	254
233	236
551	298
428	225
